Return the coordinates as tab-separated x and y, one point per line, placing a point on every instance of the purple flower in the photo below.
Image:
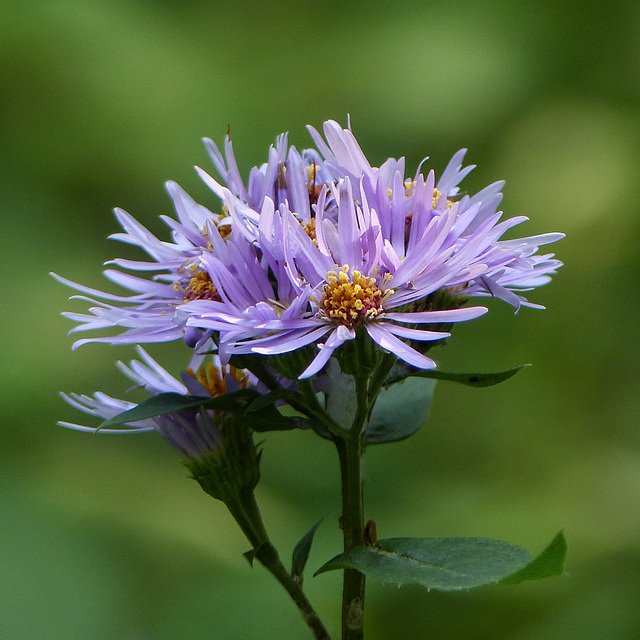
512	266
318	245
348	277
148	315
375	249
193	433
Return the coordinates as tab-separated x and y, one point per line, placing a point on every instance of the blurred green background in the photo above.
103	101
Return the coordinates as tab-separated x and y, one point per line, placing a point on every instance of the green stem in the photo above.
353	588
245	511
268	556
380	375
313	408
350	451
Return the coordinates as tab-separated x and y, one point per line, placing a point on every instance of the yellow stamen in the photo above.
213	379
409	187
351	299
313	187
199	287
223	229
311	171
310	230
436	197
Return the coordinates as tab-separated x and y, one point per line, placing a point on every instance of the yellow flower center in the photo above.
313	187
310	230
213	380
409	187
223	229
436	197
351	298
199	287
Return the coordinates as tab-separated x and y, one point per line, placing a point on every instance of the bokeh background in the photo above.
102	101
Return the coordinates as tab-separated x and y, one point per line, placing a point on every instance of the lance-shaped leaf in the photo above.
235	402
401	371
301	551
158	405
451	564
401	411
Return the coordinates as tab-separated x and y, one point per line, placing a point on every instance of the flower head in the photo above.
320	245
350	278
194	433
148	315
378	249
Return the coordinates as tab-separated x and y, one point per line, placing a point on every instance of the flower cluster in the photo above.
319	248
317	285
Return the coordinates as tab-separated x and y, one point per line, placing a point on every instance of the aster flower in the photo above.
262	287
348	278
193	433
148	315
512	266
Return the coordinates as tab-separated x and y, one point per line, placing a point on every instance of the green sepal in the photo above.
400	412
301	552
236	403
359	357
401	371
451	564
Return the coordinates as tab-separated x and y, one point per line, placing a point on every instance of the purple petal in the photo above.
414	334
446	315
392	344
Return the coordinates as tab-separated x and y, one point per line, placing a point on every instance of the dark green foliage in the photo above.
451	564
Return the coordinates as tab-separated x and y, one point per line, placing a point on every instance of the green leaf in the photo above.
451	564
270	419
301	551
400	412
549	563
340	395
401	371
237	402
156	406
